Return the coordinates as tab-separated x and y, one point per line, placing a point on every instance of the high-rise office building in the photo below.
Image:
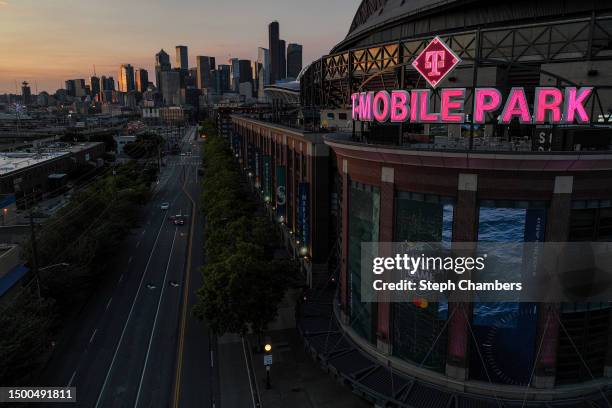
263	60
142	80
162	63
126	78
205	67
246	78
26	93
263	76
171	87
274	47
282	63
182	58
95	86
76	87
107	83
222	78
192	78
234	74
294	60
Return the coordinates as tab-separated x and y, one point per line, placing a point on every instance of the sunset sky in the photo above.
48	41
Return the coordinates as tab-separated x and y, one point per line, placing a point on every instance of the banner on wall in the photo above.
304	214
266	178
250	156
281	192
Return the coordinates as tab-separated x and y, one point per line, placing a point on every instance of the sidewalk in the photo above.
296	380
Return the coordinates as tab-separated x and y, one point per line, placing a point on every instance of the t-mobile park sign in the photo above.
436	61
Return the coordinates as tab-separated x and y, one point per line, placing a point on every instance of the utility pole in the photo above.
34	249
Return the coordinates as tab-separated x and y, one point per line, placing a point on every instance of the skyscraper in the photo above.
171	87
126	78
274	47
94	85
282	60
222	78
205	66
246	78
162	63
263	59
263	64
142	79
76	87
182	59
26	93
294	60
234	74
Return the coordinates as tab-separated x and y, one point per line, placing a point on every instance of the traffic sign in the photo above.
267	359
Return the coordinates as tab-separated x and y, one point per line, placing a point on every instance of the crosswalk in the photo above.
184	161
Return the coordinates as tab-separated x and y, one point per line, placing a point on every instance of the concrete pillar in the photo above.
344	306
557	230
387	204
465	229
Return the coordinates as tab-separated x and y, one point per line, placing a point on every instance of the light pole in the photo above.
268	363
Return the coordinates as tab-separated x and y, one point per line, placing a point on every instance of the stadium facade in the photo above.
515	180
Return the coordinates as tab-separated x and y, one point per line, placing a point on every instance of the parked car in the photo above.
164	206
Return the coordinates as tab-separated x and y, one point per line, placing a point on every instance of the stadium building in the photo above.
500	175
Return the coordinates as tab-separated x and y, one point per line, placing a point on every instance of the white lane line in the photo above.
137	244
212	359
130	260
93	335
110	368
120	278
109	302
71	379
144	369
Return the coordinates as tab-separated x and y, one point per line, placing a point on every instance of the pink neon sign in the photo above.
550	105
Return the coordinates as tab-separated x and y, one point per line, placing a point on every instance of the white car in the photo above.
164	206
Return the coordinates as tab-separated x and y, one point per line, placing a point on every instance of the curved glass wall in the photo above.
418	331
364	215
505	333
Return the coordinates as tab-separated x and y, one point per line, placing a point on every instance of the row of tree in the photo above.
243	282
79	240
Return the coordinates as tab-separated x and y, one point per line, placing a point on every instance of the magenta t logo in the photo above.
435	61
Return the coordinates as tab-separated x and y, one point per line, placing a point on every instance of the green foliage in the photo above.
146	145
24	338
85	235
243	285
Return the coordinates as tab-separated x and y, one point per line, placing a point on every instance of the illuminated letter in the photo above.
424	115
414	105
399	106
448	104
574	104
380	106
354	98
486	100
516	105
547	100
365	106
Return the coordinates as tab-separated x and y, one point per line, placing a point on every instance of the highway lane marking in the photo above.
137	244
93	335
179	360
71	379
120	279
130	260
109	302
161	296
212	359
110	368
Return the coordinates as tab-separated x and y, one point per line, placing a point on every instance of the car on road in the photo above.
164	206
179	221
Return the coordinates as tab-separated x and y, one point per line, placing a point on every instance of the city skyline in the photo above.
69	53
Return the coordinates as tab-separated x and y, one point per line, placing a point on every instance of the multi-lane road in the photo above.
135	343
